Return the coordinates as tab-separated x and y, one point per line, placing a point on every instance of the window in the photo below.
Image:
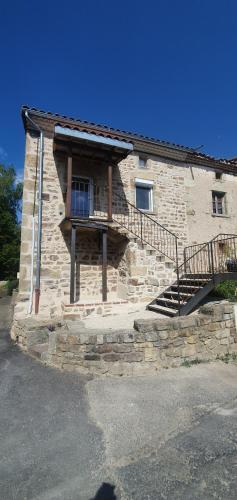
82	201
144	195
218	203
142	162
218	176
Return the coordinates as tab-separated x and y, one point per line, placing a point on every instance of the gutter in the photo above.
40	192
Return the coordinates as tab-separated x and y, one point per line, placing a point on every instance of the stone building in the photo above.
107	214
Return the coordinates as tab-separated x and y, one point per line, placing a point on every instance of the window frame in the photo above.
215	196
90	191
144	183
143	159
218	176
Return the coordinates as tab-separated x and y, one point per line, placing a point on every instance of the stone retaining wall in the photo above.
151	345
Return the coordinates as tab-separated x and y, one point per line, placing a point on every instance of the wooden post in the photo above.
110	192
73	259
69	185
104	265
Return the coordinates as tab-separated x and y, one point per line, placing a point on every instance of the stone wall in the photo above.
153	344
202	224
182	203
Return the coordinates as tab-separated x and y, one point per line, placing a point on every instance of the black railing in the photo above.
218	255
89	200
205	260
143	226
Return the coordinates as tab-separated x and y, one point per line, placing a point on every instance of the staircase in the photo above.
132	221
205	265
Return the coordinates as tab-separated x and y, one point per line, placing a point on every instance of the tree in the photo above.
10	202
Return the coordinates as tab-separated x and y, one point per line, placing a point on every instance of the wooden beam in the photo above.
73	260
110	192
69	185
104	265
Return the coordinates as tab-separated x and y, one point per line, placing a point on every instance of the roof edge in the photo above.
189	154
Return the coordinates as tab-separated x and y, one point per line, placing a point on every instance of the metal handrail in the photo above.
210	259
230	236
145	214
146	228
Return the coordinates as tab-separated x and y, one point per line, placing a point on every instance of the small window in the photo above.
218	203
144	195
142	162
218	176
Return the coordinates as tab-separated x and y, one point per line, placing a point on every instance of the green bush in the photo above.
226	290
12	285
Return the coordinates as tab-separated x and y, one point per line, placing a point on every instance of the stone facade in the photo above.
152	345
136	272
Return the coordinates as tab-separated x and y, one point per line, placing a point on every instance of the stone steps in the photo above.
82	310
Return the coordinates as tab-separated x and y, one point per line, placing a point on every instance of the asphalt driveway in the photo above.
65	436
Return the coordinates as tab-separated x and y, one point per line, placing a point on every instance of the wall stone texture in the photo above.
150	346
136	272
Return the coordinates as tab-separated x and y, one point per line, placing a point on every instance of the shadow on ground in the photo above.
105	492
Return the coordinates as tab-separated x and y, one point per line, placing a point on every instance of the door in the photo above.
82	202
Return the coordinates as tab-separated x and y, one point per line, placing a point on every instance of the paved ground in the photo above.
123	315
62	436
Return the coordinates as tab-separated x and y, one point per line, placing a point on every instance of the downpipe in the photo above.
32	266
40	191
177	273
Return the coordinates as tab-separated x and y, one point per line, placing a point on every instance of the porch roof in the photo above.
88	138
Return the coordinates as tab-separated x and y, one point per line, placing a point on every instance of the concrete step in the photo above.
194	280
162	310
170	302
175	294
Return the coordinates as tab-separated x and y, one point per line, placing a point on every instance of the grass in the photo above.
187	364
226	290
11	285
228	357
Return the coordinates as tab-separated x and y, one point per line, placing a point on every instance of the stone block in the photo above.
163	335
229	323
222	334
111	357
92	357
151	354
139	337
188	350
185	322
144	325
152	336
138	271
178	342
73	339
227	308
192	340
103	348
85	338
120	348
163	324
128	337
210	343
224	341
213	326
133	357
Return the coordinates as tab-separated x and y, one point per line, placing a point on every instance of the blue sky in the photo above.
163	68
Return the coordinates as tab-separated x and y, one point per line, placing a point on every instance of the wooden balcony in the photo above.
88	201
89	159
